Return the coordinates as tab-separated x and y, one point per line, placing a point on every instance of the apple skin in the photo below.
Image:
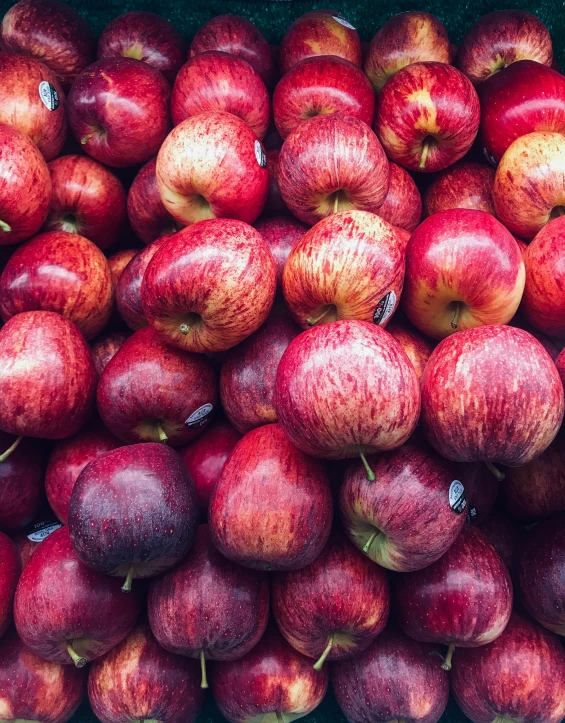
118	262
272	506
10	569
216	81
427	116
105	347
281	234
139	397
51	32
272	682
341	599
87	199
36	689
463	270
509	680
60	601
237	36
249	371
148	217
205	457
212	165
321	85
144	36
118	110
21	484
21	105
133	511
323	408
138	680
501	38
481	491
28	541
508	409
415	345
231	291
26	186
319	32
464	185
410	37
47	377
404	520
505	535
395	678
69	458
402	206
274	205
344	268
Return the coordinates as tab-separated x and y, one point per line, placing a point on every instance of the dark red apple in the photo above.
147	215
464	185
402	206
481	491
105	347
118	262
281	234
272	506
119	111
415	345
504	534
21	484
27	542
10	569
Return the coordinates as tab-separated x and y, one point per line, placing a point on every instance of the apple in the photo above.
321	85
36	689
139	397
26	186
395	678
208	608
529	189
249	370
69	458
271	508
104	348
274	205
481	491
52	32
427	116
32	100
350	265
138	680
334	607
10	569
212	165
505	535
237	36
118	262
119	111
216	81
21	484
415	345
144	36
47	377
463	270
148	217
501	38
273	682
509	680
560	364
491	394
346	389
133	512
27	542
319	32
402	206
228	289
281	234
464	185
552	346
87	199
62	272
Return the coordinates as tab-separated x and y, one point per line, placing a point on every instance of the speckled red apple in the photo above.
148	217
464	185
402	206
105	347
281	233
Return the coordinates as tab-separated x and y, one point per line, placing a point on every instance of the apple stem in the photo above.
77	659
496	473
126	587
280	719
368	470
455	319
336	202
367	545
322	659
84	140
5	227
162	436
446	665
204	682
12	448
313	321
424	156
184	329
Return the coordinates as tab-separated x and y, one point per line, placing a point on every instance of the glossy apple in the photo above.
105	347
231	289
272	507
427	116
147	215
10	569
415	345
119	111
281	233
21	484
212	165
402	206
133	512
464	185
118	262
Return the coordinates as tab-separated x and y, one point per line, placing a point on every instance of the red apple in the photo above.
332	163
28	541
504	534
10	569
47	377
105	347
320	86
501	38
147	215
416	346
272	507
21	484
139	393
52	32
26	186
319	32
118	262
144	36
119	111
560	364
402	206
87	199
216	81
464	185
229	284
274	205
481	491
520	676
281	234
212	165
427	116
32	100
491	394
138	680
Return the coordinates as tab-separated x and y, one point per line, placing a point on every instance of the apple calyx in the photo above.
126	587
368	470
446	665
322	659
5	227
496	473
184	329
204	680
11	448
455	320
77	659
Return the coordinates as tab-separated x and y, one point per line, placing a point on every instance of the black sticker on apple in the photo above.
384	308
457	497
472	513
48	94
38	531
199	418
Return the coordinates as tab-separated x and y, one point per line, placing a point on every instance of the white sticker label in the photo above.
48	94
43	530
457	498
199	418
342	21
385	308
260	155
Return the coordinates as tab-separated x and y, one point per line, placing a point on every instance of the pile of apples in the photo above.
289	432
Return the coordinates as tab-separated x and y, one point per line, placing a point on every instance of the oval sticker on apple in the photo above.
385	308
260	154
49	96
199	418
342	21
41	530
457	497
